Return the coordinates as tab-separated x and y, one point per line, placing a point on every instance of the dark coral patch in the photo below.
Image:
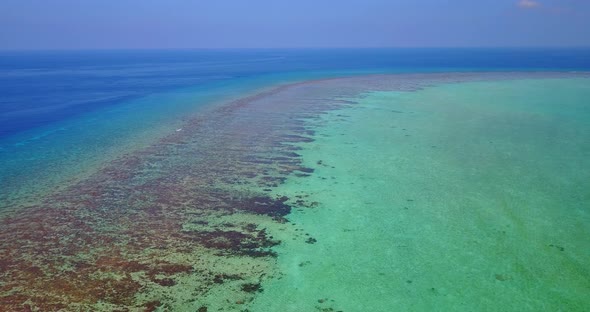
152	306
263	205
255	244
221	278
252	287
311	240
306	170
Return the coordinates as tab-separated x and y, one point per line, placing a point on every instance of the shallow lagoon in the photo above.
458	197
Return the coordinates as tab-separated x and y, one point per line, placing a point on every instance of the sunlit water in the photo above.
460	197
171	190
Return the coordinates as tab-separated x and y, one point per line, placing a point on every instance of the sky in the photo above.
186	24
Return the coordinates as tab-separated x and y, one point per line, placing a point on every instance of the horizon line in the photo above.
292	48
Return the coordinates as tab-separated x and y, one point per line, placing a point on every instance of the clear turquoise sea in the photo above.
459	197
295	180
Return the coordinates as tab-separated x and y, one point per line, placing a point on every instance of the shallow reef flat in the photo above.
225	214
457	197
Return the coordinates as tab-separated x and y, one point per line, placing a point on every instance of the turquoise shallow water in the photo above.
459	197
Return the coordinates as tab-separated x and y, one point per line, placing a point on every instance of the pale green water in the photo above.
460	197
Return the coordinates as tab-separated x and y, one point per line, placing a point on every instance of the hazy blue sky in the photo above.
59	24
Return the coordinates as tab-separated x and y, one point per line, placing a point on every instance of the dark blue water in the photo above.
65	114
39	88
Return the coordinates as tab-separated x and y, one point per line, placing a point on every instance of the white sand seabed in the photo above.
459	197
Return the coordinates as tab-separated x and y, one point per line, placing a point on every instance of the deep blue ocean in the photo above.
62	112
38	88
